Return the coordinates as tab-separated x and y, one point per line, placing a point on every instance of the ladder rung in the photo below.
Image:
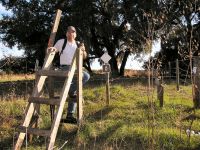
35	131
40	100
56	73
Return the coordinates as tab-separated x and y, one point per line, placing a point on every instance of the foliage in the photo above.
17	65
181	39
28	27
104	26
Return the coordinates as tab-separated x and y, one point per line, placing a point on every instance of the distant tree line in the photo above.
17	65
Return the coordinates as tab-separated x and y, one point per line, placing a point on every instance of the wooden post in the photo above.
50	44
107	89
196	85
54	28
79	85
30	109
106	70
65	90
177	75
34	123
169	63
160	91
51	95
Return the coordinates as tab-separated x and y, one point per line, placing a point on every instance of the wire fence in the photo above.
175	71
23	89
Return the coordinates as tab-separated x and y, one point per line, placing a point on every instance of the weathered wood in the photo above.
35	131
51	44
40	100
170	70
56	73
54	28
38	89
63	97
177	75
160	92
51	95
35	119
36	92
107	89
196	80
79	85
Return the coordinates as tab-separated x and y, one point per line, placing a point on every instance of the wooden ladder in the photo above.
35	100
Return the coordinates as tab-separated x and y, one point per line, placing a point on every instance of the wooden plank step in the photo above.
34	131
56	73
48	101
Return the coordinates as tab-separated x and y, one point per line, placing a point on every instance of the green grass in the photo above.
131	121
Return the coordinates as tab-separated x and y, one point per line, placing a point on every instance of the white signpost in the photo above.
106	68
105	57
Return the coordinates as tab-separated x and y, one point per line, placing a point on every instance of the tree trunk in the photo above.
114	67
127	52
40	54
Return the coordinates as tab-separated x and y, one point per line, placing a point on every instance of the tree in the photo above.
17	65
181	39
102	24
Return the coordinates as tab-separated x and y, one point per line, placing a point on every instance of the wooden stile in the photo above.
60	102
35	100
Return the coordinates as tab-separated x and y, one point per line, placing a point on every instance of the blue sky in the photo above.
131	63
5	51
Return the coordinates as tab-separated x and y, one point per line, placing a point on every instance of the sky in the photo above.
6	51
132	63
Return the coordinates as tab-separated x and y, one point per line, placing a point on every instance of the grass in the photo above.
11	77
131	121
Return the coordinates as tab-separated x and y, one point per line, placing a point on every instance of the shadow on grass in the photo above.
191	117
100	114
6	143
109	139
142	105
108	132
66	134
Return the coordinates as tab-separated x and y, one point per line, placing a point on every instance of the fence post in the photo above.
2	95
177	75
196	85
108	89
79	63
169	63
160	91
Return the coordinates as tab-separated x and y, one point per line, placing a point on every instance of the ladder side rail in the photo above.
31	107
37	90
54	28
50	44
63	97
